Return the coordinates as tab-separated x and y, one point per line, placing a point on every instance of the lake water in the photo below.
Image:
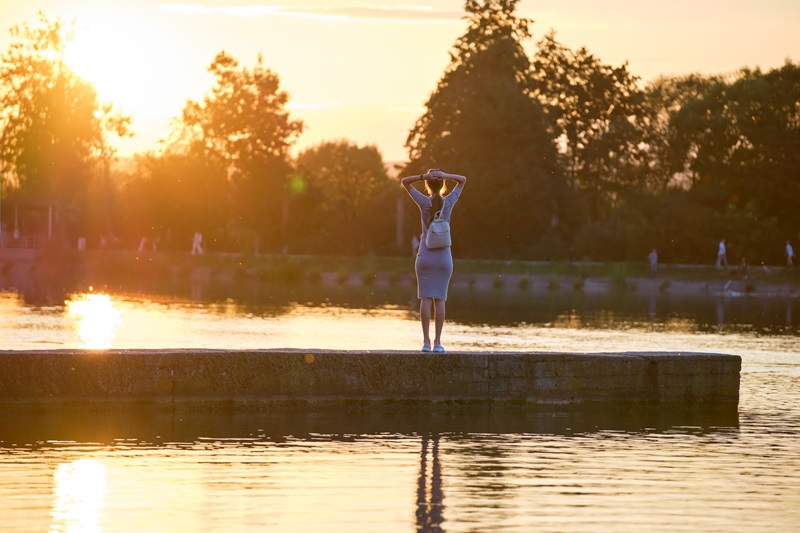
559	470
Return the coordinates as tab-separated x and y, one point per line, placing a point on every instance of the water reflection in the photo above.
270	315
695	311
78	497
608	481
558	470
430	503
96	319
123	421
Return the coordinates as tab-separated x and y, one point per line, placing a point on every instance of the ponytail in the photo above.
435	189
437	202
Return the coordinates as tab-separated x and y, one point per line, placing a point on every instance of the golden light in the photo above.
123	57
96	319
79	497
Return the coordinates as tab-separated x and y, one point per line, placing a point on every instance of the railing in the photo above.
23	241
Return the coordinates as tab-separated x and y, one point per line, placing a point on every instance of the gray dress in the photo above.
433	267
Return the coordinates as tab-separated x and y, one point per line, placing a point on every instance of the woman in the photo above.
433	267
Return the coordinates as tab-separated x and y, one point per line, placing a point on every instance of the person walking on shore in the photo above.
197	243
433	267
653	258
789	254
722	254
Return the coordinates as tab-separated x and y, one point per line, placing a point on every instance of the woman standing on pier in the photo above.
433	267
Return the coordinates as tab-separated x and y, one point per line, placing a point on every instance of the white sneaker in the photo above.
426	346
438	348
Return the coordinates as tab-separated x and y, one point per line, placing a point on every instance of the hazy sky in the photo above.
363	71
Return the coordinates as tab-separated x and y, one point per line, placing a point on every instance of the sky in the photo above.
362	71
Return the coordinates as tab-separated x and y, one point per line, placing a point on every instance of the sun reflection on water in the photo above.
96	319
79	497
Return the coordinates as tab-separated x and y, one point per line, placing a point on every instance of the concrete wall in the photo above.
270	376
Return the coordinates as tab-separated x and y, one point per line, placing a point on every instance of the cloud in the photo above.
336	13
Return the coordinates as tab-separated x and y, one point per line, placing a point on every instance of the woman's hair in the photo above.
435	189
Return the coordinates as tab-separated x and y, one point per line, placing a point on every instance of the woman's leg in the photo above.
425	318
438	310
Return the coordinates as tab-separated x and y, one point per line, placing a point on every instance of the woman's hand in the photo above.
436	174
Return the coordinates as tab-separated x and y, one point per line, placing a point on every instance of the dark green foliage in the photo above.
719	165
741	138
595	111
481	122
343	201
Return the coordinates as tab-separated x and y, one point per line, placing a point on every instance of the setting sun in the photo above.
364	71
117	53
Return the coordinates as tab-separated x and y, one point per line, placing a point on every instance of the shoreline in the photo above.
121	267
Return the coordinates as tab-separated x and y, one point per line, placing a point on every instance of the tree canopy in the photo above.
568	157
594	108
243	121
481	122
341	196
53	127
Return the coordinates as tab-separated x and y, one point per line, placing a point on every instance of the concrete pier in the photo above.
269	378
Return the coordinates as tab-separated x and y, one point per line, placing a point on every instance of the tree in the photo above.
341	197
54	129
169	196
595	109
481	122
663	100
244	122
739	141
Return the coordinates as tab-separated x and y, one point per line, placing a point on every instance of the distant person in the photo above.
653	258
722	254
414	245
789	254
197	243
744	267
433	267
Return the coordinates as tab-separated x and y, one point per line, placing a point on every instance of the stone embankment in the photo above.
648	285
21	267
266	379
528	282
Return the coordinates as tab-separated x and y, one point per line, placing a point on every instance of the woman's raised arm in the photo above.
445	176
408	180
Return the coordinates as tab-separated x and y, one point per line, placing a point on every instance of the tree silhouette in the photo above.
53	128
244	122
481	122
595	109
341	198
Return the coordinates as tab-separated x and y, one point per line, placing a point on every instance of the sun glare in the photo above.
121	56
79	496
96	319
